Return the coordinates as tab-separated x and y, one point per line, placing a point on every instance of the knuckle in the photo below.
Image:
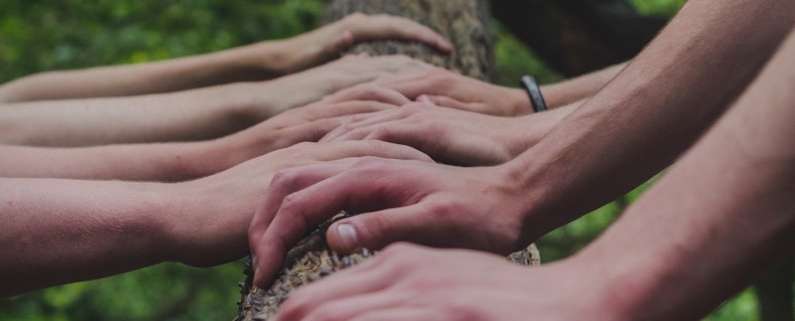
382	133
442	210
285	178
290	203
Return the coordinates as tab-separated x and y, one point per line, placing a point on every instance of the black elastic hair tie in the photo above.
534	92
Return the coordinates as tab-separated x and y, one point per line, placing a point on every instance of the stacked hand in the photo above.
449	135
217	209
447	88
407	282
273	97
398	200
323	44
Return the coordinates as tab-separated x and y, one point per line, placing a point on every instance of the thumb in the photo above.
376	230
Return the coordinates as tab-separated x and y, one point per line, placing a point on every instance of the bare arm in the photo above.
720	216
654	109
705	230
57	231
572	90
630	130
184	116
180	161
449	89
248	63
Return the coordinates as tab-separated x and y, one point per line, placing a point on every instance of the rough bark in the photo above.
465	23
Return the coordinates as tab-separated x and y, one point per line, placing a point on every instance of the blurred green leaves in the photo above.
40	35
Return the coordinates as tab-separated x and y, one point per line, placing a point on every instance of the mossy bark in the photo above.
466	24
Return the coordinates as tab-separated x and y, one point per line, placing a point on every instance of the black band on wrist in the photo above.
534	92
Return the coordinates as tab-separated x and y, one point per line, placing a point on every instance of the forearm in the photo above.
653	110
253	62
572	90
183	116
58	231
720	216
566	92
526	131
133	162
147	162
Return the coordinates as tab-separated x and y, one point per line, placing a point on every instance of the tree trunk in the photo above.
465	23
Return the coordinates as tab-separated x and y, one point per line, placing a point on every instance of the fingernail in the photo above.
424	99
347	234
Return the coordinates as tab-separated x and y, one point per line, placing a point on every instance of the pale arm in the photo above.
720	216
238	64
184	116
258	61
180	161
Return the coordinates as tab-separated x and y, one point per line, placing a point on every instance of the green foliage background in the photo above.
38	35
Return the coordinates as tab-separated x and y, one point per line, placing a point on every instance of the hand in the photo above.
448	135
323	44
408	282
271	97
212	214
479	208
447	88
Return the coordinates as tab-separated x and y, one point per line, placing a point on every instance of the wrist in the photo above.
519	101
202	224
599	293
166	216
640	286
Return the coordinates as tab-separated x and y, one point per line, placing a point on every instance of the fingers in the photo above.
402	313
348	308
378	229
338	298
350	107
385	27
445	101
268	256
300	209
368	148
369	92
368	120
435	81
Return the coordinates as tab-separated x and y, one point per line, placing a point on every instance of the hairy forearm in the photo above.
253	62
654	109
720	216
58	231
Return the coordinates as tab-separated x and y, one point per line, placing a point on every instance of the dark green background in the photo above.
43	35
